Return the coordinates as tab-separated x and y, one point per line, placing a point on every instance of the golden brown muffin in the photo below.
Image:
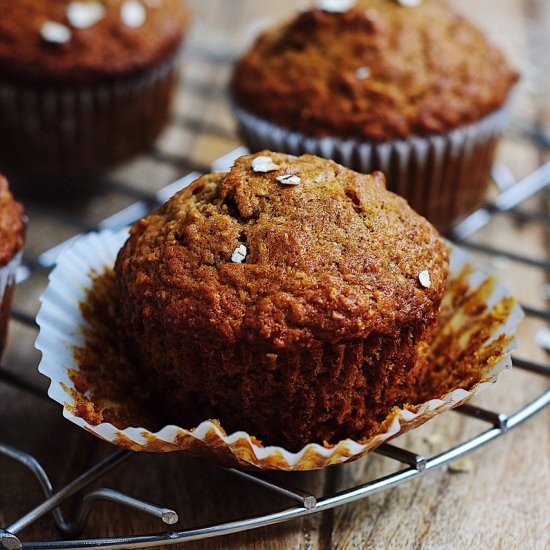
103	38
379	71
416	92
83	84
12	236
287	298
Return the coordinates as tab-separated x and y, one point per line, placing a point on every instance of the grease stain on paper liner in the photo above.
475	338
469	348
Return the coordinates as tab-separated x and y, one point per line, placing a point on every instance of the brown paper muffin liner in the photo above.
471	347
443	177
51	136
7	285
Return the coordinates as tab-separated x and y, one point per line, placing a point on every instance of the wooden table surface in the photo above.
498	498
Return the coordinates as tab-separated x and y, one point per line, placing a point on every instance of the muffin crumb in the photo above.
433	440
461	466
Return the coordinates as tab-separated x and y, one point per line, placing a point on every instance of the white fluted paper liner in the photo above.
61	324
443	177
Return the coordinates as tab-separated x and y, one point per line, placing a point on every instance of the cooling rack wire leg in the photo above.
9	541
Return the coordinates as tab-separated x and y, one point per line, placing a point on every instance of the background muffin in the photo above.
83	84
12	234
416	92
288	298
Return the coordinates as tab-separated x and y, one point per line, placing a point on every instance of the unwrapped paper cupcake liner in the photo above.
48	133
7	285
443	177
62	330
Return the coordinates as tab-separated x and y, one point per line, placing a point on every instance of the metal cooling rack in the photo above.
509	202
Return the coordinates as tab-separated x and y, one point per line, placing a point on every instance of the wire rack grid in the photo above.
509	202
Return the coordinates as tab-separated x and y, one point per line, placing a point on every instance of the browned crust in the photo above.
107	49
12	225
430	71
335	258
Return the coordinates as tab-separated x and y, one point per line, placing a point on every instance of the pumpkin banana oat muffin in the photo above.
288	298
83	84
12	236
409	88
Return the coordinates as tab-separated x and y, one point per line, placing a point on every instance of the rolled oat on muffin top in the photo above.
373	69
288	297
84	84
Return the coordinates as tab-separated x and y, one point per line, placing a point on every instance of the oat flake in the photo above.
133	14
239	254
336	6
264	164
289	179
362	73
434	439
409	3
56	33
424	278
83	15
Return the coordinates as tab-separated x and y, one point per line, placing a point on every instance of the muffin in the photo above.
290	298
417	92
83	84
12	235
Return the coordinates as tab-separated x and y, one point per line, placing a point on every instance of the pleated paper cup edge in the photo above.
272	136
54	362
429	171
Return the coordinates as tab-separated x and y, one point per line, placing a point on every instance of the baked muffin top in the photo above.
284	251
12	226
81	41
376	71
